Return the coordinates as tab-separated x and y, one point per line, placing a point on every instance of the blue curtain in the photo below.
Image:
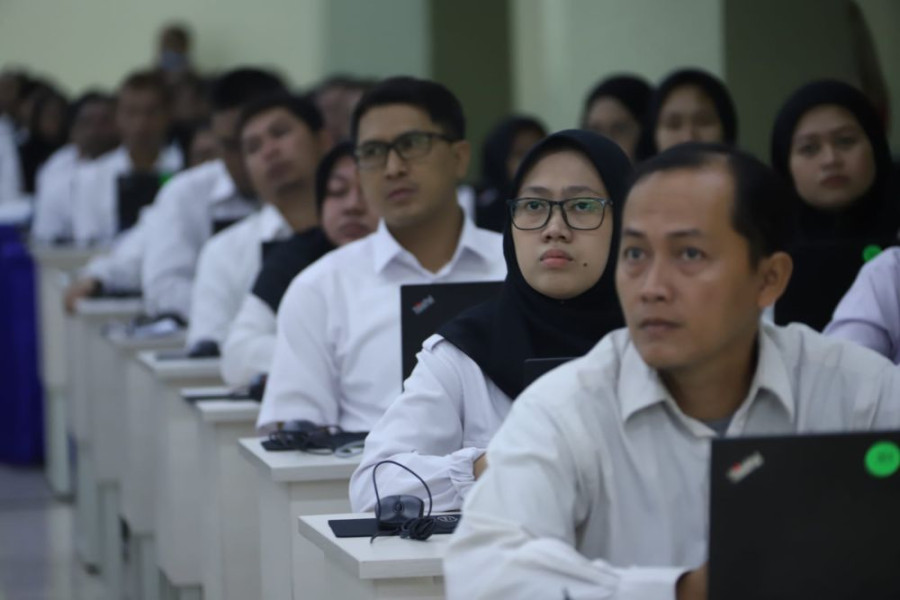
21	397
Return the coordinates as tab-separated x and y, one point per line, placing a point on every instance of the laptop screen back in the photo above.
815	516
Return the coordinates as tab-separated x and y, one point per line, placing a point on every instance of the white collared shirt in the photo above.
54	189
119	268
439	426
188	207
597	484
10	169
250	344
228	265
337	356
95	201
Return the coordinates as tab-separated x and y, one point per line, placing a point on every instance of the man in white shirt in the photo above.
201	201
282	139
143	111
597	482
337	355
344	216
93	134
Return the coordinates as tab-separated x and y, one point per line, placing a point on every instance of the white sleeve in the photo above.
303	382
167	270
248	349
10	170
119	270
422	430
52	205
214	299
517	538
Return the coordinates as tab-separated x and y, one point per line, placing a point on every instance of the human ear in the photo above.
462	152
776	274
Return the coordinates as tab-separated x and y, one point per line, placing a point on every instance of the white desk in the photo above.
54	264
109	439
87	372
231	567
160	490
389	567
291	484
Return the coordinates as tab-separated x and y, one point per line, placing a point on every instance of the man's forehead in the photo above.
389	120
693	199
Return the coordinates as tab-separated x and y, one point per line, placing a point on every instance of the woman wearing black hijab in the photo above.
47	133
689	105
829	143
503	150
558	300
616	108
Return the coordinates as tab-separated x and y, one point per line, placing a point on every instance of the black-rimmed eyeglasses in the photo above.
411	145
578	213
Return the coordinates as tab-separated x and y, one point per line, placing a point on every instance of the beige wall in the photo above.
560	49
82	43
883	17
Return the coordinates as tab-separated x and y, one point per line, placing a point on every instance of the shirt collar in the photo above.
640	386
272	224
387	248
223	187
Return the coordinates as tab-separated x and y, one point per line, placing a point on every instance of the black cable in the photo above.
417	529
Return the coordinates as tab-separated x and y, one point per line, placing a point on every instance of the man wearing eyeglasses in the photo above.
337	357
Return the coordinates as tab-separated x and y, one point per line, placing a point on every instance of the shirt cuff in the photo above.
643	583
462	463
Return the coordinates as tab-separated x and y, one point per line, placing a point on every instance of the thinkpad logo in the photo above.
740	471
423	305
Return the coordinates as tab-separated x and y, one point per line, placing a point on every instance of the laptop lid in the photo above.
536	367
812	516
135	191
425	307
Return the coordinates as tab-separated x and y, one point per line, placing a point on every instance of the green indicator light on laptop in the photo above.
870	252
883	459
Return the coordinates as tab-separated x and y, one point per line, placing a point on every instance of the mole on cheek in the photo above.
584	264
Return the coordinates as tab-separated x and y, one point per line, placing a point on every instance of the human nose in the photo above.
395	165
654	287
556	228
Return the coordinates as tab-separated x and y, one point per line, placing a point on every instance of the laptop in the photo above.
537	367
135	191
425	307
811	516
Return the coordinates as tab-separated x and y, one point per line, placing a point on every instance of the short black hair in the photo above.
326	167
89	97
148	80
298	106
441	105
763	211
240	86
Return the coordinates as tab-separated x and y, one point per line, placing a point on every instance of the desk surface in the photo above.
123	341
109	307
227	411
180	368
66	258
385	558
293	466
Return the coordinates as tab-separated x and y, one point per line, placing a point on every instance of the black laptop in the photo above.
812	516
537	367
425	307
135	191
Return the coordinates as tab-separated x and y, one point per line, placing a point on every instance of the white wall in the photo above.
560	49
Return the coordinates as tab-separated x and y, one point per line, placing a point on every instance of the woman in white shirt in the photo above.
558	300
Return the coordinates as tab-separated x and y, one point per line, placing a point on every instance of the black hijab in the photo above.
875	215
35	151
830	248
522	323
633	92
711	85
303	248
495	186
